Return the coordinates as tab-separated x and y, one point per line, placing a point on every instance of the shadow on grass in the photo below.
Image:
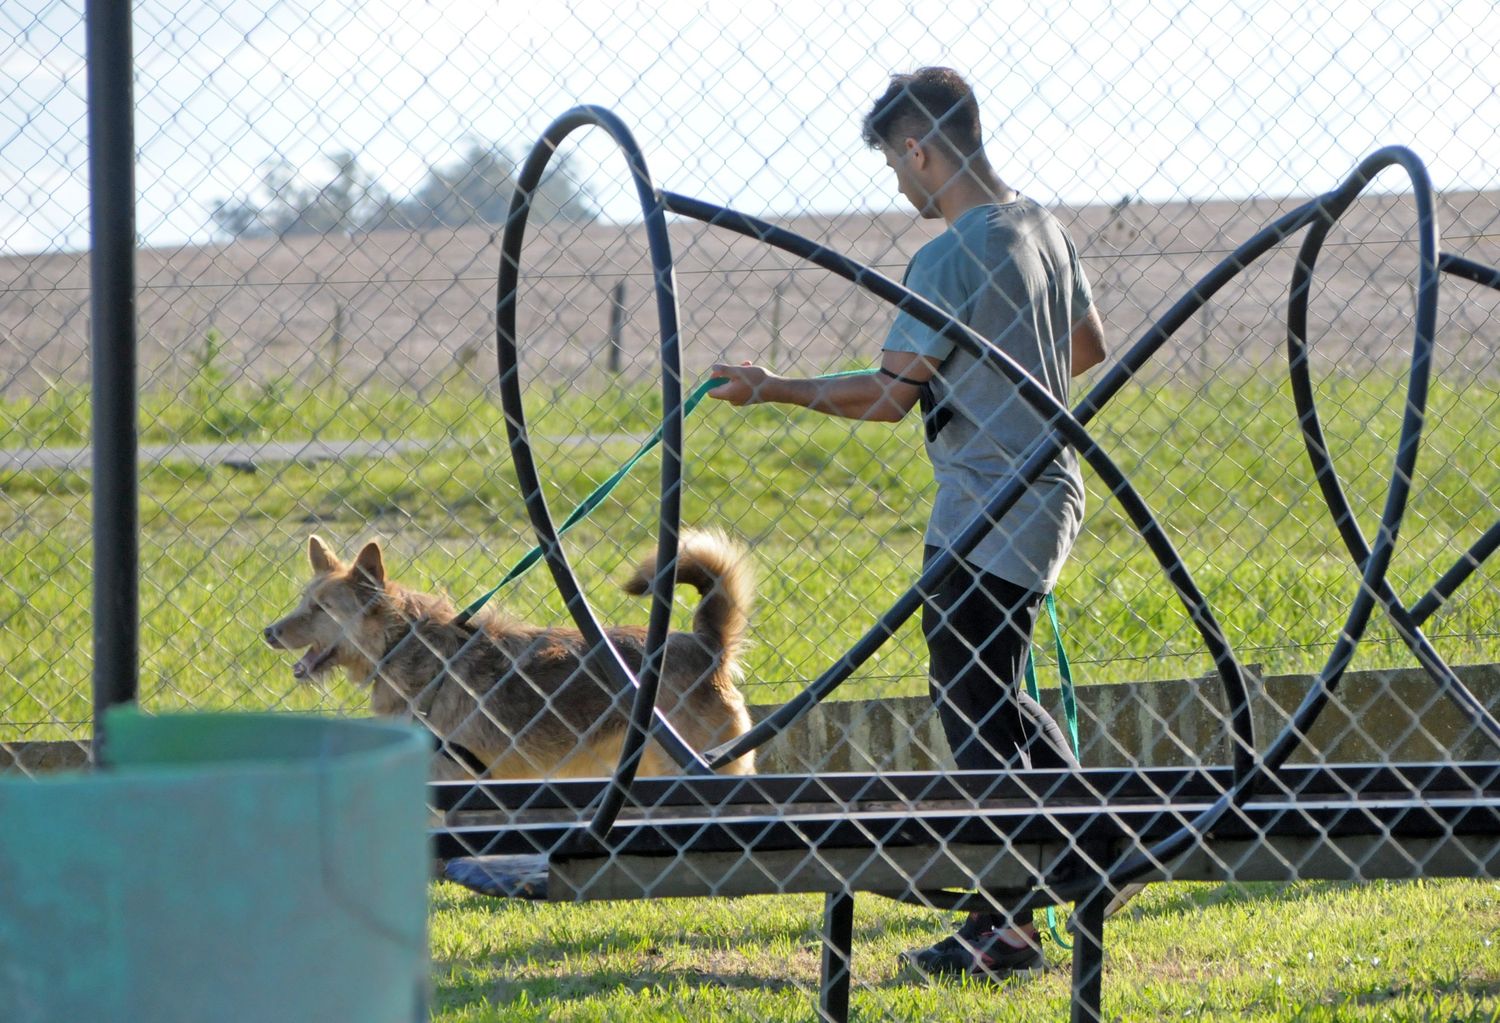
751	927
559	971
454	991
501	980
1194	897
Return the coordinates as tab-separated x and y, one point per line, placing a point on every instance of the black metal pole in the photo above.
1088	957
838	949
112	307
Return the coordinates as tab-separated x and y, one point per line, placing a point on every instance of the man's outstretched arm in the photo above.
885	395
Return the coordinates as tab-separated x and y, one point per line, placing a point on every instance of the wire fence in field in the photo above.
322	189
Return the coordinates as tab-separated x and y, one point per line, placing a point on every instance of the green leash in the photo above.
1070	711
1070	707
603	490
594	499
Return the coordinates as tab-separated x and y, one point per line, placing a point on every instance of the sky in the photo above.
752	104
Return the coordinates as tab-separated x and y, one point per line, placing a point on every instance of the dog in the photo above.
519	700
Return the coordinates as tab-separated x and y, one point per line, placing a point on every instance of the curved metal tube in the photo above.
643	708
1482	548
1374	567
1065	427
1317	447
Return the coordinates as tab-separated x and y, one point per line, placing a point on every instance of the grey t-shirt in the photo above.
1010	272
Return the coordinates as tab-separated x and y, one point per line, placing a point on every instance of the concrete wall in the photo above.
1388	715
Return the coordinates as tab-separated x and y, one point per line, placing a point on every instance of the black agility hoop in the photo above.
662	584
1089	882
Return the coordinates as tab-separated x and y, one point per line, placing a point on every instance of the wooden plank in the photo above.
792	871
902	872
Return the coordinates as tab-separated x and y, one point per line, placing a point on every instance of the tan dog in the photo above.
526	701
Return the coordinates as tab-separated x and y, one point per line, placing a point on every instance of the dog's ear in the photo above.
369	567
323	560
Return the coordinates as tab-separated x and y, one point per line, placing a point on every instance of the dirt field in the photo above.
409	309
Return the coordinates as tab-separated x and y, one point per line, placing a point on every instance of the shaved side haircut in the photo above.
931	105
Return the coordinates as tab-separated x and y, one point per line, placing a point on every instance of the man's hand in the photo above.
746	383
871	396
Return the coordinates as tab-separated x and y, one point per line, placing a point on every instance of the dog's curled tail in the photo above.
719	569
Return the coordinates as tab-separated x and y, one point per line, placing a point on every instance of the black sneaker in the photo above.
985	955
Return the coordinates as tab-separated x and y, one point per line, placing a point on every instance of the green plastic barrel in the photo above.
225	868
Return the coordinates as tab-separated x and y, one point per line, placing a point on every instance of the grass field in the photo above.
834	513
1422	951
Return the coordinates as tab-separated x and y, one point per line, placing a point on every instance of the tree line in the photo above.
473	189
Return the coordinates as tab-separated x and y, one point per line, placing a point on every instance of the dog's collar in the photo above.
462	755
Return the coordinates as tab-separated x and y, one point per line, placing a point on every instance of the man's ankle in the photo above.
1018	937
976	924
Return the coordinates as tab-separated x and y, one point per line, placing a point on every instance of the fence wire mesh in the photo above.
322	189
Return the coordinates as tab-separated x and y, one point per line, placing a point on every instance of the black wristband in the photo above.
901	379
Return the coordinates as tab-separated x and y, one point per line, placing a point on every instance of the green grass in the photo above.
1310	951
834	513
206	407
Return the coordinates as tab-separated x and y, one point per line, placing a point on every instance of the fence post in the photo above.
776	324
111	114
336	337
1203	363
617	327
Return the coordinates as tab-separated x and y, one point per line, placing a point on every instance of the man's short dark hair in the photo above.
930	103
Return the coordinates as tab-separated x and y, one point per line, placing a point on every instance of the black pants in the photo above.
978	631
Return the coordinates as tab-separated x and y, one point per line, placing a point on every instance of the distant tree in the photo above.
285	206
349	200
250	216
235	217
475	188
563	194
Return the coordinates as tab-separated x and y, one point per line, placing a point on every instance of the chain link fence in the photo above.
322	190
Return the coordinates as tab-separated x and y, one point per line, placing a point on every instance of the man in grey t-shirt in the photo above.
1008	271
1006	268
